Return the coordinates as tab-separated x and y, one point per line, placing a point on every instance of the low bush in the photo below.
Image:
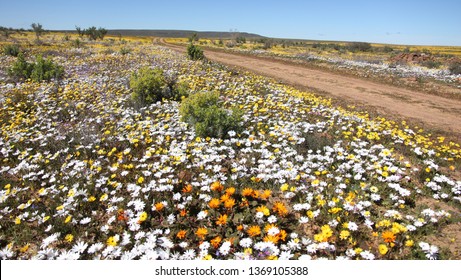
359	46
125	51
432	64
455	68
12	50
194	52
153	85
147	85
205	112
41	70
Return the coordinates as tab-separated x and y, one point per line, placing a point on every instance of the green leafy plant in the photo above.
12	50
38	29
45	70
455	68
153	85
205	112
125	51
147	85
41	70
194	52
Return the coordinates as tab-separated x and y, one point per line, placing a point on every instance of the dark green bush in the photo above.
21	68
455	68
45	70
12	50
194	52
205	112
359	46
41	70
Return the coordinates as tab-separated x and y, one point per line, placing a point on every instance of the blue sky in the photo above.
423	22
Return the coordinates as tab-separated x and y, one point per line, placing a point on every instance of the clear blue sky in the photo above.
423	22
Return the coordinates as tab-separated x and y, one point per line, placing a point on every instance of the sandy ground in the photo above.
434	112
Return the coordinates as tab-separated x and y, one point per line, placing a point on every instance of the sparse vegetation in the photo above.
359	47
41	70
37	28
455	68
94	33
12	50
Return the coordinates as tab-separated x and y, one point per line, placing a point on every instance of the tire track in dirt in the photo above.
435	112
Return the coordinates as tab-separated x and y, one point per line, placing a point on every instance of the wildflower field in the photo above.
87	174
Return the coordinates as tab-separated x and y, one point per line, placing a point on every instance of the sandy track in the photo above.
432	111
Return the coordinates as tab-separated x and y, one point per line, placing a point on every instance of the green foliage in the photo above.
125	50
45	70
77	43
80	31
94	33
455	68
359	46
194	52
41	70
147	85
193	38
21	68
6	31
204	111
12	50
38	29
387	49
241	40
152	85
432	64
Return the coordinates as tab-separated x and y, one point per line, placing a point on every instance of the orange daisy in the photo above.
222	220
254	231
181	234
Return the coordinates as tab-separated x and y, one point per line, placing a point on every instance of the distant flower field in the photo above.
85	174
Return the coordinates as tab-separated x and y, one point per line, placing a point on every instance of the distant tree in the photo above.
6	31
92	33
95	33
80	31
193	37
359	46
38	29
101	33
194	52
241	39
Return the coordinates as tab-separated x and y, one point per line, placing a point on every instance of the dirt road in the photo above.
439	113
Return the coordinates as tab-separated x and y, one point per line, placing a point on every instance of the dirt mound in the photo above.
412	57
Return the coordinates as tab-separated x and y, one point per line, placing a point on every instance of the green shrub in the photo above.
76	43
153	85
12	50
455	68
125	51
359	46
194	52
40	70
147	85
45	70
204	111
21	68
432	64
